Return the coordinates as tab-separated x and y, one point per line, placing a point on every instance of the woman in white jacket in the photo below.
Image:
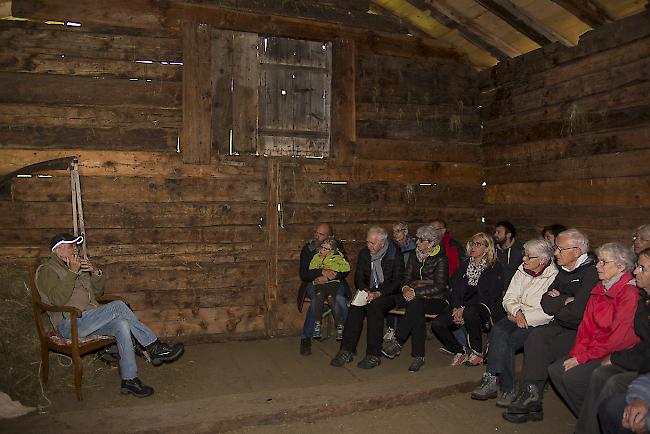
522	304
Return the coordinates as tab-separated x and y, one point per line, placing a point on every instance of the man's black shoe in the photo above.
160	352
341	358
305	347
533	416
369	362
136	388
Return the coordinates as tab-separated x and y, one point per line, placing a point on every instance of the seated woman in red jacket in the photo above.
607	325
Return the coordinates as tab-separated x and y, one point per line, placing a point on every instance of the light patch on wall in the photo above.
425	184
482	219
175	63
178	145
330	205
283	92
133	79
333	182
45	176
55	23
484	184
72	24
314	157
266	44
23	176
144	61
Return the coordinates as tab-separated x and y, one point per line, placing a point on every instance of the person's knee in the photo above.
471	313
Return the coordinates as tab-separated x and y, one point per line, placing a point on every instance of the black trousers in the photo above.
375	311
605	381
414	322
545	345
475	315
572	385
610	414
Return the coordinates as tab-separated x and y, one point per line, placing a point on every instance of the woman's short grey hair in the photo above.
576	239
381	233
539	247
618	253
428	233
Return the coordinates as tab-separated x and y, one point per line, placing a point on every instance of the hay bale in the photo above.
19	344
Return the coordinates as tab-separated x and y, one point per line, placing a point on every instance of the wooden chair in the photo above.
75	347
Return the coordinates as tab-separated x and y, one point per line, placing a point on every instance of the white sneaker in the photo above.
390	334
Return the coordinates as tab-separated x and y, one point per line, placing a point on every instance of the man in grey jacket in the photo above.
67	279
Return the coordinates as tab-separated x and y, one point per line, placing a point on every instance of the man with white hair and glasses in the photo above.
565	301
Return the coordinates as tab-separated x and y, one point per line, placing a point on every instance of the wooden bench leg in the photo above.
76	360
45	363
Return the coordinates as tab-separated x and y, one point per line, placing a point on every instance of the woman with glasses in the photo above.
425	292
476	295
522	302
607	325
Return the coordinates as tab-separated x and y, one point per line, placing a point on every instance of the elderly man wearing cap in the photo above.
71	280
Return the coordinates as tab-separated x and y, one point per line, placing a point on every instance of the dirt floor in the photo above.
266	386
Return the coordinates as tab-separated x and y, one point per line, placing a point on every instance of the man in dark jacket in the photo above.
379	273
453	249
566	301
509	251
322	231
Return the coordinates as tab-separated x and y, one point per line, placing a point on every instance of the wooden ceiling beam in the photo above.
587	11
523	22
472	31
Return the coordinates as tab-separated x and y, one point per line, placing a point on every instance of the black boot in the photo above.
160	352
305	347
135	387
528	400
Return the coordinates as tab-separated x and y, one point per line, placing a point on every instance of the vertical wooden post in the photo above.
271	294
196	140
344	127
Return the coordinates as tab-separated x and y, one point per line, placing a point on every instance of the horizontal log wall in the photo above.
192	246
567	134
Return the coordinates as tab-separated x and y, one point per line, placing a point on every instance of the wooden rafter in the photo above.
473	32
587	11
523	22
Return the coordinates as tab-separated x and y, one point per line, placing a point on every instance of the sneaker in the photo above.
487	389
135	387
160	352
369	362
305	347
391	348
339	332
528	400
444	350
317	332
474	359
390	334
534	416
418	362
506	398
459	359
341	358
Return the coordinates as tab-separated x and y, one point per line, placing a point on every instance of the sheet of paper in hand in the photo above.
360	298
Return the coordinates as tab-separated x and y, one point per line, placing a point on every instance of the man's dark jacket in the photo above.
392	265
637	358
307	276
433	271
576	283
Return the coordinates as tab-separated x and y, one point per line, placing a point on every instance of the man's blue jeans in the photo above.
341	305
114	319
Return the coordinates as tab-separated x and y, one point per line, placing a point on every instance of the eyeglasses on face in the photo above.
477	244
562	249
422	240
640	267
602	262
530	257
637	237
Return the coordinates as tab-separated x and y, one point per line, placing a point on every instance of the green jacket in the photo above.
335	262
59	286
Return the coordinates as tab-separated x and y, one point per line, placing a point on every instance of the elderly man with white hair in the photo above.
565	302
379	273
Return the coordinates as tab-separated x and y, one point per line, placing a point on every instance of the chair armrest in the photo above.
51	308
110	297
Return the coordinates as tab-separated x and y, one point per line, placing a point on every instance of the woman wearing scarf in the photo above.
607	325
522	303
476	296
425	292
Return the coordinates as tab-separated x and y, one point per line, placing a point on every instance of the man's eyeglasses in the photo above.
640	267
637	237
562	249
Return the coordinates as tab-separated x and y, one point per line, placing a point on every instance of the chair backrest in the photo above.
37	305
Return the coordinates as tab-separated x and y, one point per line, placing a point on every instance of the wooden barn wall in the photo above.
566	134
198	249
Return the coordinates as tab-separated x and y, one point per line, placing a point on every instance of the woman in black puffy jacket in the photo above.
476	295
425	292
